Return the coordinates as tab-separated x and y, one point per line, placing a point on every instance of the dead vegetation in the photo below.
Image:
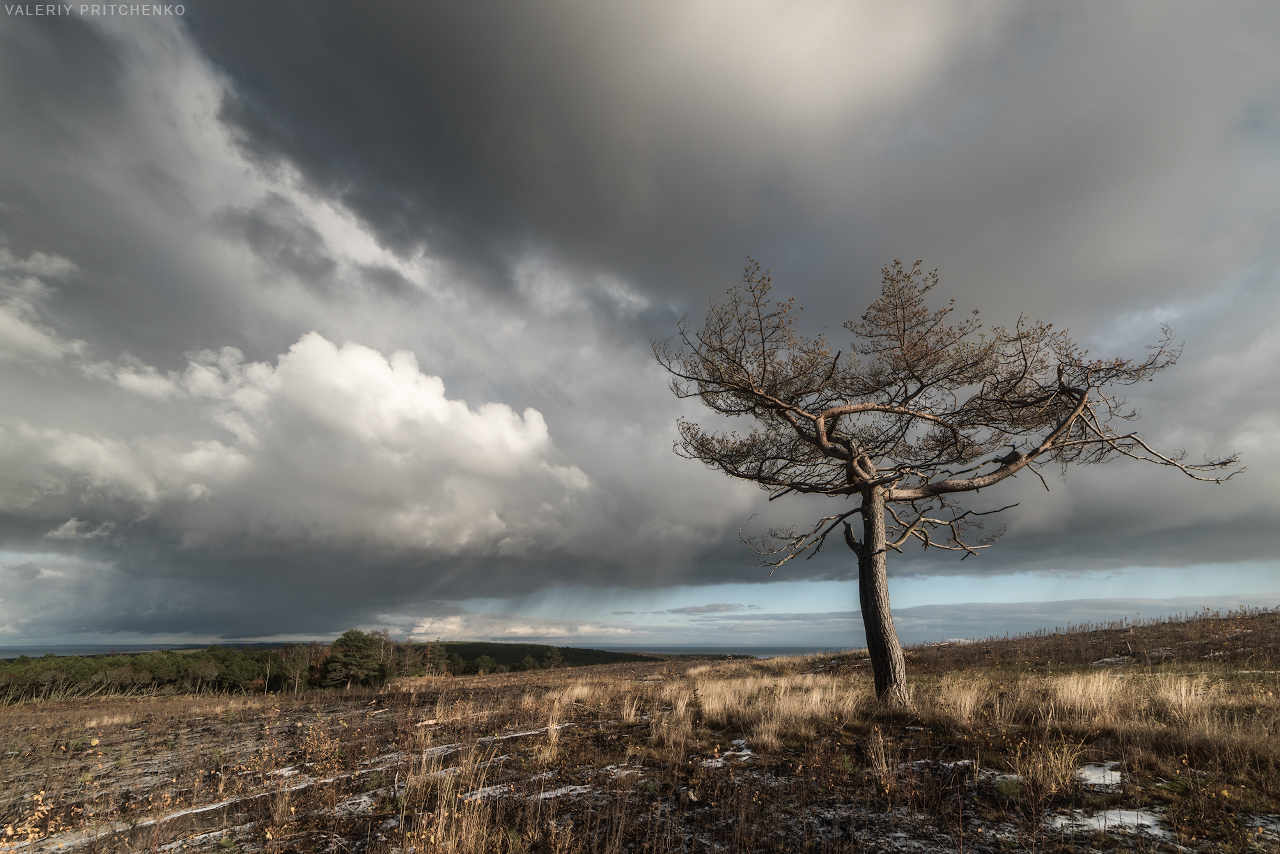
778	755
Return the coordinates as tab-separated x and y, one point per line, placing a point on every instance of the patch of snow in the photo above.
440	750
354	805
622	770
385	759
743	752
1265	827
454	770
1129	821
1099	776
487	792
560	792
521	734
211	836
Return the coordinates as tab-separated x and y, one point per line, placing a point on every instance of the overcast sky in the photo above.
317	315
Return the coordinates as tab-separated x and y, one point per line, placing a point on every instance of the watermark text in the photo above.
98	10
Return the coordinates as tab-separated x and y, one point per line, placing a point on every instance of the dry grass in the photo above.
774	709
962	697
1184	700
1085	696
1047	769
650	758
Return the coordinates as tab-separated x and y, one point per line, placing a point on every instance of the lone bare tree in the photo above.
916	412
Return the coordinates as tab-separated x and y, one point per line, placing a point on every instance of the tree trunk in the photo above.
887	663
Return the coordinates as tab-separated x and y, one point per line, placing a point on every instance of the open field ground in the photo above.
1024	744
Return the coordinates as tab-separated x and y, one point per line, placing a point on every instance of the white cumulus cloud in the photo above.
335	444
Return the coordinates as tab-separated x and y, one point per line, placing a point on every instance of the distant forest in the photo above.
355	659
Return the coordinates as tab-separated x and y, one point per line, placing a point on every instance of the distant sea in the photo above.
757	651
102	649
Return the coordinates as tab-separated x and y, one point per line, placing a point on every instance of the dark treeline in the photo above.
355	659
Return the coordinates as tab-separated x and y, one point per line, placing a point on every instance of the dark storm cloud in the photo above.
1018	147
280	236
653	139
278	282
229	597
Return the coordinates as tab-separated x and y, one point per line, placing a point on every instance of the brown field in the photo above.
1179	736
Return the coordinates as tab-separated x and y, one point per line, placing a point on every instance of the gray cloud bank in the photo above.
315	312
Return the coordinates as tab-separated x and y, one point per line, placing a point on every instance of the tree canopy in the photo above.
916	410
